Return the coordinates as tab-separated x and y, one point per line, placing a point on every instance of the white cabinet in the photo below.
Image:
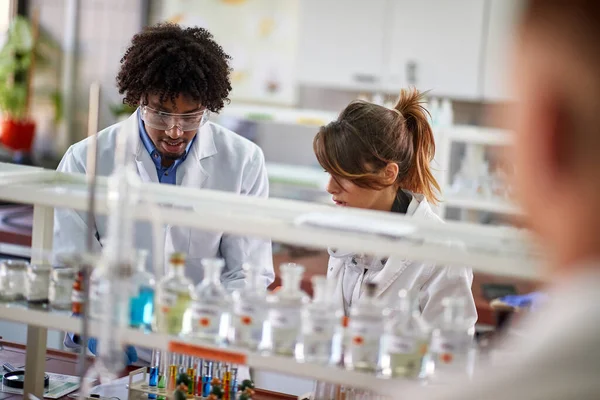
341	43
502	17
436	45
388	44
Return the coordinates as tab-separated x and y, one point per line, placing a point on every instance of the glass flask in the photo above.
211	304
406	339
173	297
141	303
321	322
365	330
249	305
282	326
13	274
61	288
452	347
37	284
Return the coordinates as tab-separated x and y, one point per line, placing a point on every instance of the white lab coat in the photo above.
218	159
555	356
432	283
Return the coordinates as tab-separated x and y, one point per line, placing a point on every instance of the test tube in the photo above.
162	378
173	371
208	366
181	360
226	383
234	382
153	381
217	371
199	377
191	372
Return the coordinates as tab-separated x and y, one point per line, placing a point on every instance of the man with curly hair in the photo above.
175	77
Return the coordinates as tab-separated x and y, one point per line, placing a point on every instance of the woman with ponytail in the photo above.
379	159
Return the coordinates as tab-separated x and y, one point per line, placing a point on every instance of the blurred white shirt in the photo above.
557	359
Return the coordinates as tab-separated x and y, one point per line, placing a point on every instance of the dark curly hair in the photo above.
169	60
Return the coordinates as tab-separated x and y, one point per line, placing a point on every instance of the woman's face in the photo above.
347	194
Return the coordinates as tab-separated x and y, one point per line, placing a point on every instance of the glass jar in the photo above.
13	274
37	284
61	288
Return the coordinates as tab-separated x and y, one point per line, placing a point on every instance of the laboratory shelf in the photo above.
298	175
282	115
477	135
482	204
503	251
496	250
284	365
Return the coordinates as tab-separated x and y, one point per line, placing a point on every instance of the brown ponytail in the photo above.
367	137
420	179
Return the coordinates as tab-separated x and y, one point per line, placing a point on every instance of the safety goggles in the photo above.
166	121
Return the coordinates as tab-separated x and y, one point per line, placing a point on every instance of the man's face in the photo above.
171	143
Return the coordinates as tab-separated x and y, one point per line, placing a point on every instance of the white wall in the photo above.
17	333
105	28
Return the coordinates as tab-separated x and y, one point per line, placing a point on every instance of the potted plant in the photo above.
17	59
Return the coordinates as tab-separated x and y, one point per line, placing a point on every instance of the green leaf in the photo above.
19	35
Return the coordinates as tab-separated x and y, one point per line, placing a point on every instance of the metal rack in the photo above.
503	251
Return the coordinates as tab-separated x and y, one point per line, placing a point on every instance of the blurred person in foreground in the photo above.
557	164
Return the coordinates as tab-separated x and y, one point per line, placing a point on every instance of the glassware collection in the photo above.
482	174
205	377
387	340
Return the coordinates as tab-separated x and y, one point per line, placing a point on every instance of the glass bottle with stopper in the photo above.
452	349
406	339
281	328
173	297
365	329
211	305
141	304
249	305
321	323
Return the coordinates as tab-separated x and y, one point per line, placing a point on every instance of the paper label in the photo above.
402	345
205	318
318	326
244	309
446	348
167	300
361	333
284	319
77	296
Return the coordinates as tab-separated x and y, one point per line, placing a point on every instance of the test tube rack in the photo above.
138	386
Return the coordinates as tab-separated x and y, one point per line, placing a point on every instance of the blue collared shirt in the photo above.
165	174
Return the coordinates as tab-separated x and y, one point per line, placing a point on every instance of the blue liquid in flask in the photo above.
141	308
